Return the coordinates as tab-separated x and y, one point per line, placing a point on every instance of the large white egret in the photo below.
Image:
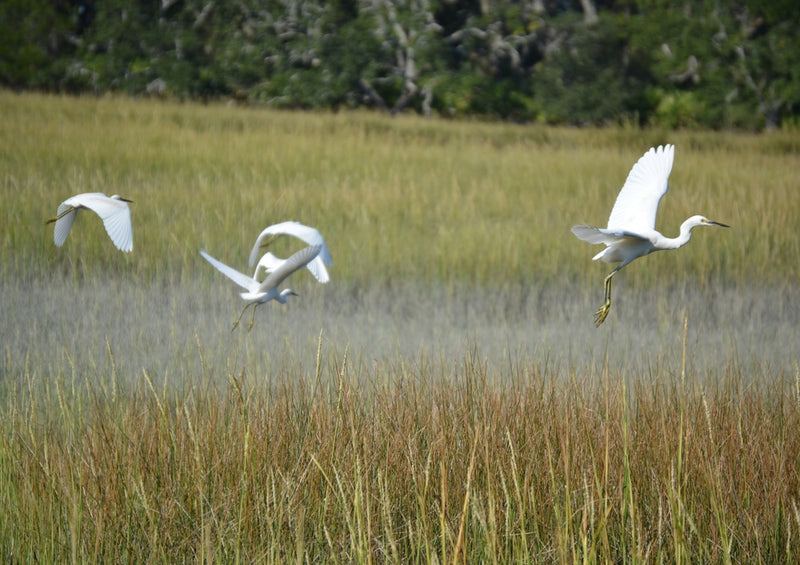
113	210
261	292
308	234
631	229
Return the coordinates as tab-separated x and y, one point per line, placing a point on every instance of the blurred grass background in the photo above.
441	232
445	398
397	199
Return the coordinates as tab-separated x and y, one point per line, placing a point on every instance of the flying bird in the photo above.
260	292
631	229
307	234
113	210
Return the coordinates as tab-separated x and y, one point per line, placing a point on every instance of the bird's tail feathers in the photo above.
589	233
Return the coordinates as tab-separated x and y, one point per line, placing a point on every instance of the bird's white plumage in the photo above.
295	262
113	210
637	203
269	262
247	283
261	292
64	223
307	234
631	229
267	289
619	245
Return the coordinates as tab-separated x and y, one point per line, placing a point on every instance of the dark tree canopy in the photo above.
695	63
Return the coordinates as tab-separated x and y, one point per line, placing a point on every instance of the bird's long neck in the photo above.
682	239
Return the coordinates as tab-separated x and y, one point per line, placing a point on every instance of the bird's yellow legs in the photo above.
239	319
602	312
61	215
252	319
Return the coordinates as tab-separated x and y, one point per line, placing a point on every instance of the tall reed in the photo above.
419	461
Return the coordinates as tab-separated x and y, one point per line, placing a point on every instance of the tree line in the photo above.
692	63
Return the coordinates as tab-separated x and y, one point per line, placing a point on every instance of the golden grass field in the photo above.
445	398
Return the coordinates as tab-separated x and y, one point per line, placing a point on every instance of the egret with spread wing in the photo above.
261	292
308	234
113	210
631	229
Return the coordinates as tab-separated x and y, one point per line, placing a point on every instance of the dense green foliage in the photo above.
691	64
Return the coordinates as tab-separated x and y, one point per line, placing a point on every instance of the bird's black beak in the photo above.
718	224
125	199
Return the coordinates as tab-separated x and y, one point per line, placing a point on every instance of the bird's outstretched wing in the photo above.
602	235
308	234
251	285
115	213
637	203
591	234
292	264
270	263
611	238
64	223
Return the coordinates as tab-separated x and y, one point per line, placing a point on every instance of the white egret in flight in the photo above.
113	210
631	229
308	234
261	292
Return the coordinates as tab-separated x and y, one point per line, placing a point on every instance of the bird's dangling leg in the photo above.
252	319
239	319
602	312
61	215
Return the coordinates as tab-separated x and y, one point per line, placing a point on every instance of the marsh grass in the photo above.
417	461
445	398
437	202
